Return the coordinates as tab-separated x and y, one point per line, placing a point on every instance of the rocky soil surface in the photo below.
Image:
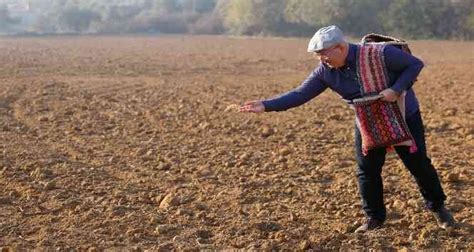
132	142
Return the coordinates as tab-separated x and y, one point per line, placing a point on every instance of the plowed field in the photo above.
126	142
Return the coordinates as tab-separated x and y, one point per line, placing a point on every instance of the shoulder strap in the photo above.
371	69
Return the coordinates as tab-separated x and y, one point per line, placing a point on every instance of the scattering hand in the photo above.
252	107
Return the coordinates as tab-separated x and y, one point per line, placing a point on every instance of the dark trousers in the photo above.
370	169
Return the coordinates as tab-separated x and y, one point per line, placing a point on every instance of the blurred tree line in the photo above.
6	20
422	19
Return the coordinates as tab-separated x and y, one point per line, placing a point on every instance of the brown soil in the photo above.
125	142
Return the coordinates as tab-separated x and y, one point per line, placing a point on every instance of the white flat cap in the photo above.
325	38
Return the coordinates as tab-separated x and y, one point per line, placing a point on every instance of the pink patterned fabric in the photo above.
382	124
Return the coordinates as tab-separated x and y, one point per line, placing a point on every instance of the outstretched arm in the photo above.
309	89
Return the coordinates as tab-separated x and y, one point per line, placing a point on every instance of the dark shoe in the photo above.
371	224
445	218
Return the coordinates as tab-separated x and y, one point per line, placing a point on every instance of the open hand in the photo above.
389	95
253	107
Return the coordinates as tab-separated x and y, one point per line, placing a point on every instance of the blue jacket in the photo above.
402	69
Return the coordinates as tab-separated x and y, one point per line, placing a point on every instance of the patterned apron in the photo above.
381	123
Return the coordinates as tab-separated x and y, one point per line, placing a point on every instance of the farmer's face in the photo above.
334	56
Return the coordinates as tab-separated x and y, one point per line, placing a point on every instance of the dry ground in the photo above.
124	142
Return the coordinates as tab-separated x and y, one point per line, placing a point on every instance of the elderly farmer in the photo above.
362	74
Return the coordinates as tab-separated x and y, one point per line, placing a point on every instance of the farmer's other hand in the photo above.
253	107
389	95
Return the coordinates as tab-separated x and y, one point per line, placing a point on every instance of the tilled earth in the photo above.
131	142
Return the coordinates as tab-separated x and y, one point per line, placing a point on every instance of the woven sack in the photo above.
381	123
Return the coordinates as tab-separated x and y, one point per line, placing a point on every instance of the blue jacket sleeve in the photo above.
309	89
406	64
